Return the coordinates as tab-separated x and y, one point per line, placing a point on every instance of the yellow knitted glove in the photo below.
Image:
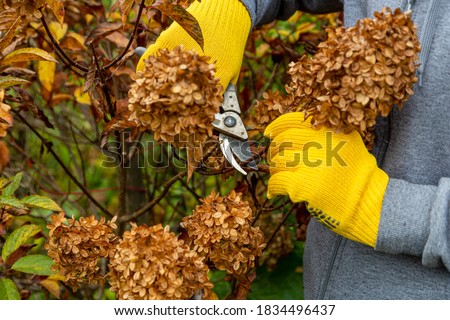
225	26
333	173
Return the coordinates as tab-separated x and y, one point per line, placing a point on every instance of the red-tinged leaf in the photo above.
186	20
19	253
119	122
101	31
57	8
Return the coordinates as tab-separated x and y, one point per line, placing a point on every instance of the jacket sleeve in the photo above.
265	11
415	220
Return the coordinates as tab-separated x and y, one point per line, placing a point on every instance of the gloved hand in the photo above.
225	25
333	173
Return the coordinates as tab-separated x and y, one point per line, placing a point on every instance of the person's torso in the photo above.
418	151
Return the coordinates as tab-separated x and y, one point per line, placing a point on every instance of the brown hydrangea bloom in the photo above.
358	73
152	263
27	9
6	119
220	229
176	97
273	105
76	247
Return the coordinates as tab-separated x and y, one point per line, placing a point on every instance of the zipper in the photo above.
409	5
330	268
426	36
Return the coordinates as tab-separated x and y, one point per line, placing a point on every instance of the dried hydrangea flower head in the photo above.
77	245
356	74
152	263
359	72
26	9
220	229
273	105
176	97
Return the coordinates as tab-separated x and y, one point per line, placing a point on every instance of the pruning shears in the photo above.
233	135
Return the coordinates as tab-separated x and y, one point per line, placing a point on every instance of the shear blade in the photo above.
243	151
225	146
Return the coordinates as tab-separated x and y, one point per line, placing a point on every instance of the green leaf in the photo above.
13	185
17	238
11	201
8	290
40	202
34	264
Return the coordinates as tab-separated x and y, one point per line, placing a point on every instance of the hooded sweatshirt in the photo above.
411	258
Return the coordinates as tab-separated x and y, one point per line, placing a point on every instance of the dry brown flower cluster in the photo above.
358	73
152	263
6	119
273	105
76	247
281	245
355	75
176	97
220	229
26	9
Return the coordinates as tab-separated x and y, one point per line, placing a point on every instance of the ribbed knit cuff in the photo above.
365	227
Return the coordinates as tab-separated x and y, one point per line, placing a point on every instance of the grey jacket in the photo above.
411	259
